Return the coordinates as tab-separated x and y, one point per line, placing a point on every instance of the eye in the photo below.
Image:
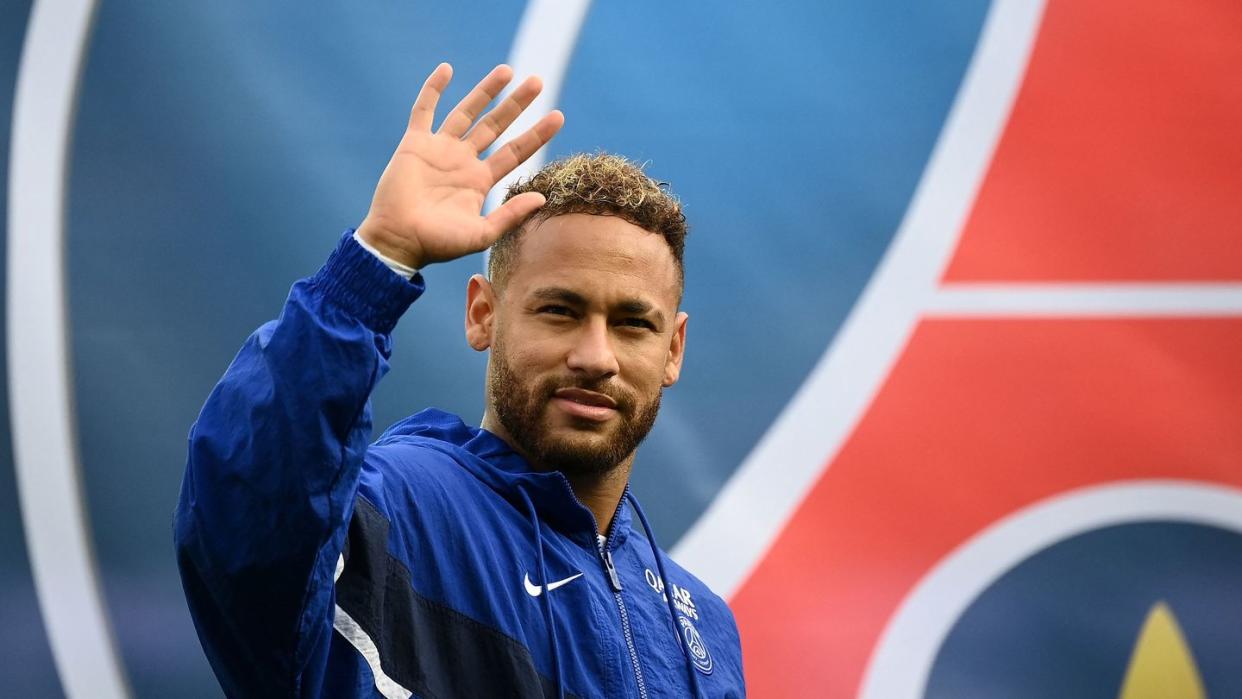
641	323
555	310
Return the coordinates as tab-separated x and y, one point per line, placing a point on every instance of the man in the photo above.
446	560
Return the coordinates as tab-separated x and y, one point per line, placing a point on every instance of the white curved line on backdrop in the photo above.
40	390
45	440
1087	300
543	45
903	659
729	540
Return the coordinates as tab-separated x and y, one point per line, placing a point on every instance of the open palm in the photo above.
427	205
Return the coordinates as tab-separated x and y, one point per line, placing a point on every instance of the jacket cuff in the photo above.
363	286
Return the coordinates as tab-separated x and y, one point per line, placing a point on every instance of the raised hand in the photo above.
427	205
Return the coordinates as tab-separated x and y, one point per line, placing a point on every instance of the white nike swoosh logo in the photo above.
536	590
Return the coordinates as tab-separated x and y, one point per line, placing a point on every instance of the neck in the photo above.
600	493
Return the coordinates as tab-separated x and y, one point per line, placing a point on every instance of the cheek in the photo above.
529	363
536	355
647	367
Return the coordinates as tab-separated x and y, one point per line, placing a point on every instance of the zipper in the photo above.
615	580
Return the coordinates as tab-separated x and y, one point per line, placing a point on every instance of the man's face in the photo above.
584	337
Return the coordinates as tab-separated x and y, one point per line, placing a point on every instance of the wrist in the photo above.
398	268
390	247
357	282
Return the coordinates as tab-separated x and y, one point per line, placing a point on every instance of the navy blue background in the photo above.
1064	622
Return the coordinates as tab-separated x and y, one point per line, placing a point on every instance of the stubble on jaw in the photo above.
522	411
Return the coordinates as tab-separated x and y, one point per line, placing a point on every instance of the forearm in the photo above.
274	460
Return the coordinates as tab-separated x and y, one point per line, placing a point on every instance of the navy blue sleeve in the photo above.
274	461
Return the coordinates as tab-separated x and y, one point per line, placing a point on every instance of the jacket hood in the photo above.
492	461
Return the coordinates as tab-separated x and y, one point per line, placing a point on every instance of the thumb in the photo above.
513	213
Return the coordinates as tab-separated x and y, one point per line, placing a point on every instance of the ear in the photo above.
480	312
676	350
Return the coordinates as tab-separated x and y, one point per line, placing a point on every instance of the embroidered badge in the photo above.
699	655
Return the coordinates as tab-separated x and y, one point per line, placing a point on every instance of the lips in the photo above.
582	403
585	397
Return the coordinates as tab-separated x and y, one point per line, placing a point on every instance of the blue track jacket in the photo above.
432	563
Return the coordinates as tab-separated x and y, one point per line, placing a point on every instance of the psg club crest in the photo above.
699	654
1016	467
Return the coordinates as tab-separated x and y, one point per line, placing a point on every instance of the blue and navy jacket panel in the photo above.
316	565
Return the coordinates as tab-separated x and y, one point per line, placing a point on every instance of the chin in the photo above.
569	439
584	452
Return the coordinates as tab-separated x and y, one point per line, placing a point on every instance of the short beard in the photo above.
521	410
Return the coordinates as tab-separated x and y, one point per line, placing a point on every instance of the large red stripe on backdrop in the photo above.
978	419
1119	162
1122	158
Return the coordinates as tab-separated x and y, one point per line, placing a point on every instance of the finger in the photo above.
496	121
515	152
512	214
472	105
424	111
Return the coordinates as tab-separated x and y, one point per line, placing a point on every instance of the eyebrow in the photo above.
630	306
556	293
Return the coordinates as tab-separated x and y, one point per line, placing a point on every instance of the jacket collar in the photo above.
492	461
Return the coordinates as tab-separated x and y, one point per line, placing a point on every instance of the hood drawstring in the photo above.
548	615
668	592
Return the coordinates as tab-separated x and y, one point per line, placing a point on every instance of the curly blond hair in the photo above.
601	184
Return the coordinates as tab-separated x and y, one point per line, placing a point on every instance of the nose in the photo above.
592	353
